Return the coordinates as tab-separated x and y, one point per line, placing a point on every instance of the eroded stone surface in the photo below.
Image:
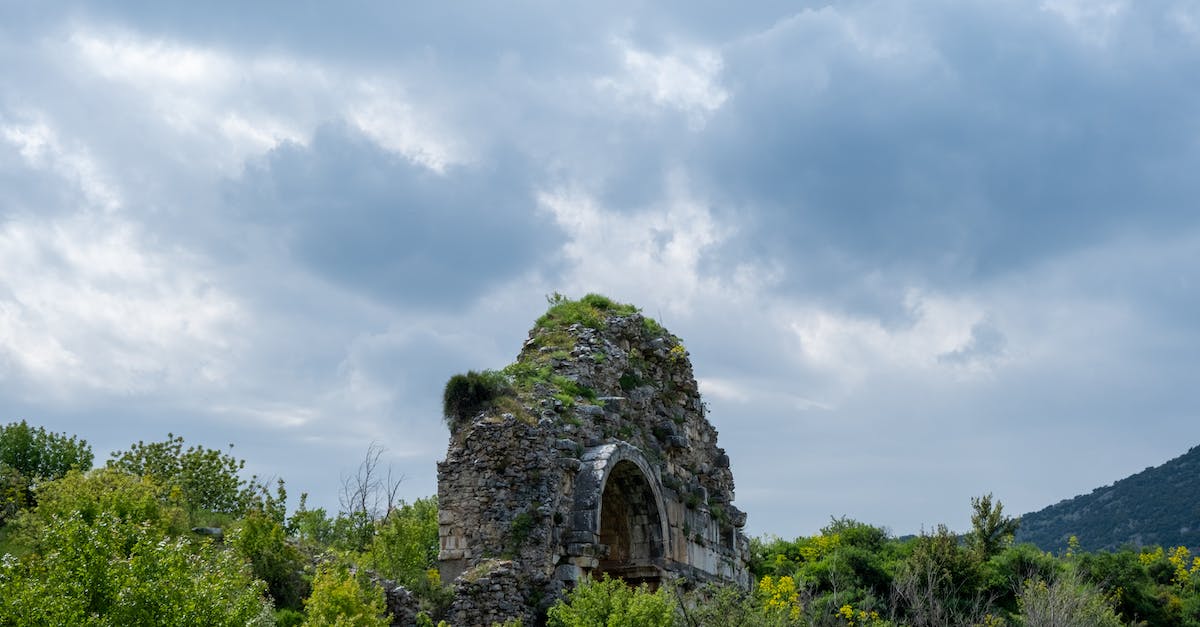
628	481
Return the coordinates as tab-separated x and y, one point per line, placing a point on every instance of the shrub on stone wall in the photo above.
469	394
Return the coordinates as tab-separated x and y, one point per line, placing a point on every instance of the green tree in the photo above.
312	527
612	603
991	530
39	454
341	599
29	455
208	478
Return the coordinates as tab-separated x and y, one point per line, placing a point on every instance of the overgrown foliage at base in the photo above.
342	599
612	603
115	546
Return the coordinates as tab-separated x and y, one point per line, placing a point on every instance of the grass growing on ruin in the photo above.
589	311
468	395
525	376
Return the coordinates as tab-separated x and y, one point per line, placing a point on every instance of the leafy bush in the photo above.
105	491
14	489
1065	602
405	545
341	599
1003	575
938	584
467	395
263	542
115	571
612	603
1126	578
721	606
288	617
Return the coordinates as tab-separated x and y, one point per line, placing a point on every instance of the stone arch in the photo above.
619	523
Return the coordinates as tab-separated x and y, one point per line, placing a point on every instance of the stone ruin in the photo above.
601	462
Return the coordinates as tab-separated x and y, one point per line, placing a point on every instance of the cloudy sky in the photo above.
918	250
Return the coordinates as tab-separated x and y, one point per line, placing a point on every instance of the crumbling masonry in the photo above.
620	474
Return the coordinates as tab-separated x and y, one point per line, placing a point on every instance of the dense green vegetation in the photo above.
170	534
133	542
1155	506
855	574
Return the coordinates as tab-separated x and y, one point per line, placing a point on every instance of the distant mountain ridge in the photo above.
1158	506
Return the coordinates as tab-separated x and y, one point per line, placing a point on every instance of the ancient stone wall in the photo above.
605	465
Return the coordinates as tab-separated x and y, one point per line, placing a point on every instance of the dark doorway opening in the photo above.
630	528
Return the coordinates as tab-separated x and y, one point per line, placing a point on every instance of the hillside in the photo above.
1160	505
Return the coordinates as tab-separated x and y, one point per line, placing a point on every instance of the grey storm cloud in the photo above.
972	141
400	232
892	234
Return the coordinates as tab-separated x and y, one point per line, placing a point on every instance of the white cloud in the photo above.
855	348
87	307
40	147
687	81
757	392
381	113
154	63
655	253
225	107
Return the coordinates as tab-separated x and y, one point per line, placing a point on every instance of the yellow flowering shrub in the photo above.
779	596
1179	559
1149	557
860	618
817	547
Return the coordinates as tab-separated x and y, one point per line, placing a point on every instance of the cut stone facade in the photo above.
624	479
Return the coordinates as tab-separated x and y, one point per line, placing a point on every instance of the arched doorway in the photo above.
631	527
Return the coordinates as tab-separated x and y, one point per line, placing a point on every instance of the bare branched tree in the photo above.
372	491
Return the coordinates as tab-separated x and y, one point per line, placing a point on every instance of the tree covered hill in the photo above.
1160	505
